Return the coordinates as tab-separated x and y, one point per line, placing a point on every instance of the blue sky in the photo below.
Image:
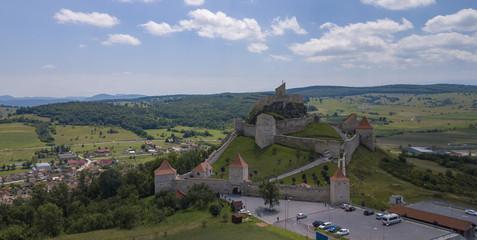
63	48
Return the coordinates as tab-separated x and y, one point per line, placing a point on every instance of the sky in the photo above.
59	48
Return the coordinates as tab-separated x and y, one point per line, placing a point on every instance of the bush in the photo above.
215	209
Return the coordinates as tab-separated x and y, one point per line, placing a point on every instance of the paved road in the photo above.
310	165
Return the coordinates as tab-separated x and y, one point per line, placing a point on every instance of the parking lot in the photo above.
360	226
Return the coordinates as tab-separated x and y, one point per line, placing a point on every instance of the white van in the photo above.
389	219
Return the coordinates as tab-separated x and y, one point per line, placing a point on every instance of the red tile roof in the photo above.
180	194
165	169
237	204
432	218
238	162
353	115
339	176
202	167
364	124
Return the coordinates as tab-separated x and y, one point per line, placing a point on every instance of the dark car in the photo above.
350	209
368	212
317	223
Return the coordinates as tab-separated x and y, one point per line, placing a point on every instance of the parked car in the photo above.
317	223
344	206
392	218
325	225
368	212
334	228
343	232
245	212
350	209
471	212
301	215
379	216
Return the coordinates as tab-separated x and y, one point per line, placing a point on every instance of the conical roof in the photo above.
364	124
238	162
353	115
339	176
165	169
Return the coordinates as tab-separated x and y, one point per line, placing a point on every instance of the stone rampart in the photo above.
217	185
320	146
350	146
217	153
293	98
293	125
301	193
249	130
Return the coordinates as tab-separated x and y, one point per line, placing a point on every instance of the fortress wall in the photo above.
294	98
216	185
293	125
350	146
315	194
217	153
249	130
320	146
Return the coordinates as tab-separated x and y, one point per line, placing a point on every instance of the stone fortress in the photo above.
266	130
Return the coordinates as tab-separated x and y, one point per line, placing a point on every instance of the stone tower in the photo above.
366	133
164	177
238	171
265	130
281	90
339	188
349	124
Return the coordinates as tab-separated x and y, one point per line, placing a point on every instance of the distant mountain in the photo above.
37	101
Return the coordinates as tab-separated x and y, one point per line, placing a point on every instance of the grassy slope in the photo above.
317	170
18	135
216	134
319	130
374	186
425	164
188	225
84	134
264	161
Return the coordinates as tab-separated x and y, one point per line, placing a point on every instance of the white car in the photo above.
344	206
325	225
301	215
471	212
245	212
343	232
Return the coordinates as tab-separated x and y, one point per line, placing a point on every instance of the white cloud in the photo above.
284	58
121	39
257	47
279	27
464	20
352	39
194	2
48	66
94	18
210	25
219	25
399	4
160	29
82	46
130	1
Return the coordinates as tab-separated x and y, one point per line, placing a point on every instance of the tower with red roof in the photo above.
339	188
238	171
164	177
366	134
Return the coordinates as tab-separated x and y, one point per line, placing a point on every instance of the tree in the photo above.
215	209
270	193
109	182
48	220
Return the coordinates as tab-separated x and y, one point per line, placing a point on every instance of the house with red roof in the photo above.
203	170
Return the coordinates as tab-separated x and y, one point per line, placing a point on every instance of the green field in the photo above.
321	131
189	225
163	133
460	137
262	163
425	164
18	135
69	135
373	186
309	175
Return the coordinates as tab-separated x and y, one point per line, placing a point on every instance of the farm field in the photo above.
262	163
164	133
70	135
18	135
189	225
452	138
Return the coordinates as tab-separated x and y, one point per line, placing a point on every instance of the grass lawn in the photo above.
85	134
18	135
433	166
321	131
373	186
309	175
189	225
262	163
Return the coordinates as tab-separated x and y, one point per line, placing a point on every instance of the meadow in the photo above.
18	135
165	133
262	163
309	175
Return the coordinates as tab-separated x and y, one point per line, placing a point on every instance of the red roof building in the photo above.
103	151
203	170
238	162
364	124
165	169
339	176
